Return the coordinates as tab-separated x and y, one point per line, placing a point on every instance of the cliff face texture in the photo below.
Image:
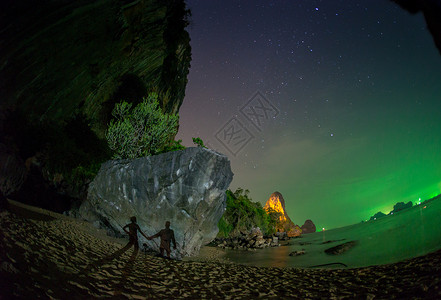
61	58
276	204
184	187
63	66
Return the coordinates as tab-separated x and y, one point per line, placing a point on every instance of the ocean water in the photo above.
406	234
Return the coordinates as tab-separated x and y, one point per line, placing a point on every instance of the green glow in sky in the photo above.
358	90
348	178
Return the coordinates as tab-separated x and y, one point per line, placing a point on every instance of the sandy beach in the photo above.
50	256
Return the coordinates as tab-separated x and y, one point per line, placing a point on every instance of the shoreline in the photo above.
63	257
210	254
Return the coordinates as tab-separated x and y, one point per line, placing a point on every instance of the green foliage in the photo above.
173	146
141	131
224	227
199	142
243	214
274	219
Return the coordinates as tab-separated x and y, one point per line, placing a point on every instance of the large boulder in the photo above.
294	231
255	233
184	187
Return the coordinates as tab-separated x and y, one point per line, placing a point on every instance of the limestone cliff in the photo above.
61	58
276	204
63	66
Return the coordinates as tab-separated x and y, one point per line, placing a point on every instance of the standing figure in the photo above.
133	232
167	235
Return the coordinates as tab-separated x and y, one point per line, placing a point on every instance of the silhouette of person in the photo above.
167	235
133	233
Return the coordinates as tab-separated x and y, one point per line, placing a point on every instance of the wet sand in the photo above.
46	255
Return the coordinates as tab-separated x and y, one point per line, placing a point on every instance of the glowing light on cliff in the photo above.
274	204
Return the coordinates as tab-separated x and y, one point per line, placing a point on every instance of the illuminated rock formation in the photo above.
276	205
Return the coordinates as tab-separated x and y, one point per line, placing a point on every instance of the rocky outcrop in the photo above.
281	235
294	231
298	252
63	66
251	240
308	227
184	187
276	205
340	249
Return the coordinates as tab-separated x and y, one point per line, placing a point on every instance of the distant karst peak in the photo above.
276	204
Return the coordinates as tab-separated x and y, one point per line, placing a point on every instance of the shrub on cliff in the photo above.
173	146
242	214
141	131
198	142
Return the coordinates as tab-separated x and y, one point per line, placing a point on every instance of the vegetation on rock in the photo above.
141	131
276	217
177	145
173	146
88	56
275	207
242	214
198	141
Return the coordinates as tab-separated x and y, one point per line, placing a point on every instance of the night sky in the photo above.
335	104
